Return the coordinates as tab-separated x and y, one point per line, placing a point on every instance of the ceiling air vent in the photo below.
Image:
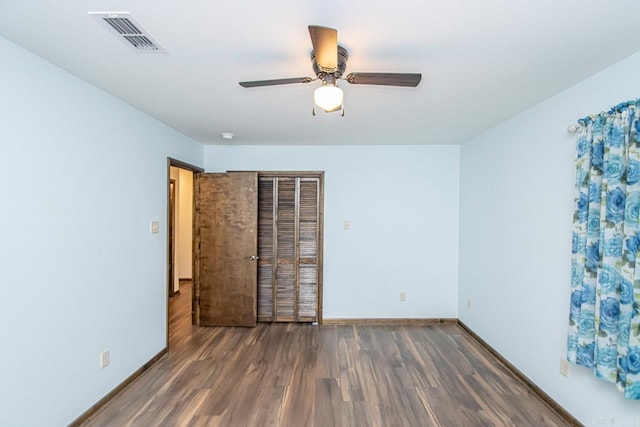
124	26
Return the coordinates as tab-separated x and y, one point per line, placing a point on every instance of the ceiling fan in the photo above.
329	62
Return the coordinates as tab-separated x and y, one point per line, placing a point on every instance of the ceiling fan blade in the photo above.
274	82
386	79
325	46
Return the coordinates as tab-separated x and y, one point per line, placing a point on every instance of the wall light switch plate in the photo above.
105	359
564	367
403	296
155	227
347	225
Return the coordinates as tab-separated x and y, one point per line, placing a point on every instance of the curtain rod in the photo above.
575	127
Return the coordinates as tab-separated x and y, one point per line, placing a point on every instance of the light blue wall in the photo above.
516	212
402	204
82	175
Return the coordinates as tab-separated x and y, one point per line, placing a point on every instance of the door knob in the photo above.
253	258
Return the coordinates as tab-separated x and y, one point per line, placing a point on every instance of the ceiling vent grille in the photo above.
124	26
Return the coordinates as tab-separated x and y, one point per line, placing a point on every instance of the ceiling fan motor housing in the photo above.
319	71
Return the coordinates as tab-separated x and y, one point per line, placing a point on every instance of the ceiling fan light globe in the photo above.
328	97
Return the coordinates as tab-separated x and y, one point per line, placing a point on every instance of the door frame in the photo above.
168	285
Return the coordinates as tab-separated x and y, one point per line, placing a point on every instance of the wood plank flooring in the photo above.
304	375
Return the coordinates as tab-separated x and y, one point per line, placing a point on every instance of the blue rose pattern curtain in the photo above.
604	320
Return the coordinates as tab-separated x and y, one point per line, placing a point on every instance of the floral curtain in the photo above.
604	319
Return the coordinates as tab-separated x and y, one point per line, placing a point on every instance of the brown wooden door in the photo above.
225	240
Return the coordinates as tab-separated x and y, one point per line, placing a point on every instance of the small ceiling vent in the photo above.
124	26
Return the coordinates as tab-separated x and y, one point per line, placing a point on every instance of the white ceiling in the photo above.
481	62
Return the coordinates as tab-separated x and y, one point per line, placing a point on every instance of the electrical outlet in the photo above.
104	358
468	303
564	367
347	225
403	296
155	227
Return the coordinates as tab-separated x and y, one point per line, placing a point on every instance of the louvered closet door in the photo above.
288	246
308	205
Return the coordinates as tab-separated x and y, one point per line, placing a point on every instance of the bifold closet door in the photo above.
288	236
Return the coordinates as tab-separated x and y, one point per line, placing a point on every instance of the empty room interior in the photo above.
184	204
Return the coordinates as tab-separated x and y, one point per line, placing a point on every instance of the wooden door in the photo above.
225	240
289	246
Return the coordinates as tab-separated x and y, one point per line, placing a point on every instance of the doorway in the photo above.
180	177
171	233
180	226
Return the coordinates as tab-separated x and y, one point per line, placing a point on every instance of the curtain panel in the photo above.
604	319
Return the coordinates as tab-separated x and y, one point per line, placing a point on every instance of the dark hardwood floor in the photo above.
303	375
